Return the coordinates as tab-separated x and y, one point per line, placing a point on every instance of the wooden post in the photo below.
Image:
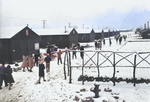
68	63
114	65
70	74
98	64
64	65
134	67
83	70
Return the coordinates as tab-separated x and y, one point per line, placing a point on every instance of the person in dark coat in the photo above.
36	56
9	77
95	45
41	71
82	53
120	39
74	52
47	60
103	41
49	51
110	42
3	75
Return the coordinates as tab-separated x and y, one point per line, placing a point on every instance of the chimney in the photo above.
27	25
147	24
65	29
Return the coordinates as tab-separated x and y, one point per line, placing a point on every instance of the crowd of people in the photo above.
98	43
33	60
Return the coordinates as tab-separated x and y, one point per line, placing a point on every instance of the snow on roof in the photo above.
105	30
9	32
83	31
97	30
53	31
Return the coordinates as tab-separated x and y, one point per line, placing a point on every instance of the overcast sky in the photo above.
58	13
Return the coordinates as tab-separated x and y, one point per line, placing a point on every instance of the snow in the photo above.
57	89
8	32
53	31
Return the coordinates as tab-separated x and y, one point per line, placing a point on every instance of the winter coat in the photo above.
49	51
24	63
47	59
95	43
41	70
2	70
36	57
82	53
59	54
9	77
31	62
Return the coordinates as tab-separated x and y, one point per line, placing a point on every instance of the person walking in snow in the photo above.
3	75
103	41
110	42
36	56
100	45
9	77
120	39
31	62
49	51
82	52
74	52
25	62
59	57
47	60
95	45
41	71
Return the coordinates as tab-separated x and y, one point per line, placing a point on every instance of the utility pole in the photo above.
83	26
44	23
69	24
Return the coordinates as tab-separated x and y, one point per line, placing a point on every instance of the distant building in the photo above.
145	34
15	42
99	34
60	37
86	35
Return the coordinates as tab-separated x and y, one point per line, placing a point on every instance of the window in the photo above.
74	32
27	32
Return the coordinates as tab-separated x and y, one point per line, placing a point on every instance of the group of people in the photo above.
119	38
98	44
81	48
47	60
29	62
6	76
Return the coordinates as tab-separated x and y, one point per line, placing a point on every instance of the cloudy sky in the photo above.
90	13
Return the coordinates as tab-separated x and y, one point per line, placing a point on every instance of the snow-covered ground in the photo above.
57	89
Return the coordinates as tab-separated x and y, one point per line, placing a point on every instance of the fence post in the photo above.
114	65
68	62
83	70
134	67
98	63
70	74
64	64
